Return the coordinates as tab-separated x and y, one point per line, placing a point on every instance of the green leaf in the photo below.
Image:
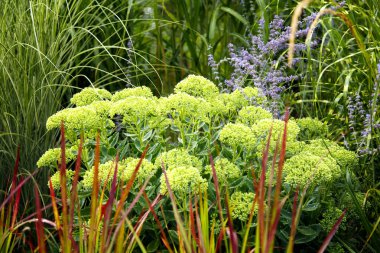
235	14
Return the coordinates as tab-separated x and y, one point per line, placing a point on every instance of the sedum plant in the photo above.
180	132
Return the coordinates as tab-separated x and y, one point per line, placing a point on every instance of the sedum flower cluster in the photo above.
142	91
250	115
183	180
308	168
79	118
183	106
323	147
52	157
56	179
311	128
89	95
225	170
237	135
241	205
330	216
197	86
177	157
129	165
105	174
133	109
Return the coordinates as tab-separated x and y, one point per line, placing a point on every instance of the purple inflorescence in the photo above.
363	117
261	64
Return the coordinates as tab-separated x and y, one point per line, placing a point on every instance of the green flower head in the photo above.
184	106
56	177
311	128
307	167
322	147
241	205
52	157
250	115
248	96
134	109
197	86
89	95
225	170
330	216
79	118
183	180
177	158
141	91
262	128
146	169
237	135
102	108
224	105
105	174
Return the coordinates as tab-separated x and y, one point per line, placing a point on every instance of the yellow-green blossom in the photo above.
183	106
330	217
225	105
225	170
307	167
183	180
237	135
52	157
102	108
146	169
89	95
79	118
141	91
262	128
197	86
105	174
56	177
248	96
241	205
321	147
134	109
311	128
177	158
250	115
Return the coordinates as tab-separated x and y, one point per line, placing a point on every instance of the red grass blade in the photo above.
125	192
39	224
15	207
261	193
332	233
18	187
64	198
155	216
199	228
233	235
217	192
94	198
273	229
192	222
74	192
55	212
293	225
108	207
